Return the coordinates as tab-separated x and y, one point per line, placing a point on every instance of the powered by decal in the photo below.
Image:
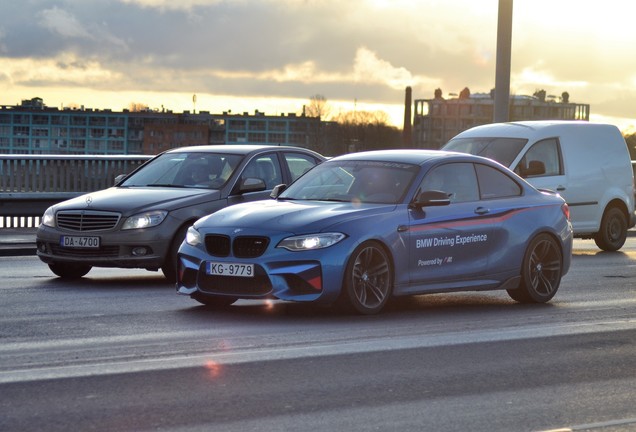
435	261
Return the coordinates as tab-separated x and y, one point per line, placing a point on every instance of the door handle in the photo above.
482	210
560	188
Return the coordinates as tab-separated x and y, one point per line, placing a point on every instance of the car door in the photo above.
449	242
264	167
298	164
500	196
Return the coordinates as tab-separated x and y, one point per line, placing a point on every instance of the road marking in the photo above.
248	354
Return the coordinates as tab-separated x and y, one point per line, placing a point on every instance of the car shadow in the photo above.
117	283
429	304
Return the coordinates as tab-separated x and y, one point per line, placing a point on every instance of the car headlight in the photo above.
145	220
193	237
48	218
310	241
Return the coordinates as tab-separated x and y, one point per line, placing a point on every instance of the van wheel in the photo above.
613	232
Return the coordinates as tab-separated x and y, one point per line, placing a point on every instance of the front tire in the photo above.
70	271
613	233
169	268
368	279
541	271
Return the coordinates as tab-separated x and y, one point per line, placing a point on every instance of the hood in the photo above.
291	216
133	200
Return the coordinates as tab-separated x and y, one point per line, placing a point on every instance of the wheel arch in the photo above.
619	204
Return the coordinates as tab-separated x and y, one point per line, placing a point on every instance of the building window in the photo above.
277	138
257	137
21	130
257	125
40	119
277	125
236	125
78	120
236	137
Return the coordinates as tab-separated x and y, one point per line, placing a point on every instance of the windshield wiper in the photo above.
163	185
332	199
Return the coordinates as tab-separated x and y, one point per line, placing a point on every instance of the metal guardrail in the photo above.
29	184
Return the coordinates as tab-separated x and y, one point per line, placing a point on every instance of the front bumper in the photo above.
302	277
124	249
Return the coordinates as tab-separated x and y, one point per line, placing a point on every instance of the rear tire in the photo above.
70	271
541	271
613	233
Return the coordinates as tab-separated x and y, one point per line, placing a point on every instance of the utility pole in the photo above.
502	73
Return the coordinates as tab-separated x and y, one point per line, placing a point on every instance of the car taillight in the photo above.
566	211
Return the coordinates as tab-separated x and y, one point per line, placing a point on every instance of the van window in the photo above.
542	159
503	150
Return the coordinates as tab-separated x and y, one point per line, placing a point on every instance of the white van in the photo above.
588	164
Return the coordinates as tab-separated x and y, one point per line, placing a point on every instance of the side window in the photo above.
458	180
299	164
542	159
266	168
495	184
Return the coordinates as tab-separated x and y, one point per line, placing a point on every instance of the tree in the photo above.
137	107
366	130
317	107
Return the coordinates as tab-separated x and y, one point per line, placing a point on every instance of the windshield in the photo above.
354	181
503	150
195	169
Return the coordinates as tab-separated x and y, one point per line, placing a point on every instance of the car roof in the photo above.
409	156
241	149
526	129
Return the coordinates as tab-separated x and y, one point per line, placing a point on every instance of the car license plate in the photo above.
79	242
229	269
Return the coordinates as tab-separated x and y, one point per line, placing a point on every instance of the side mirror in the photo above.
431	198
278	189
251	184
119	178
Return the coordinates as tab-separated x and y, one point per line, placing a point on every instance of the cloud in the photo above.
63	23
371	69
62	70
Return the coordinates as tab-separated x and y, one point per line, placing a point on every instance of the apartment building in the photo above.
34	128
437	120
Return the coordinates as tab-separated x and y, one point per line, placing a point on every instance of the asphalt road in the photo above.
120	351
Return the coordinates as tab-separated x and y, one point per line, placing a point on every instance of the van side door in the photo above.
544	166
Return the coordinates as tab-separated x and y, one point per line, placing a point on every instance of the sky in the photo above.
274	55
